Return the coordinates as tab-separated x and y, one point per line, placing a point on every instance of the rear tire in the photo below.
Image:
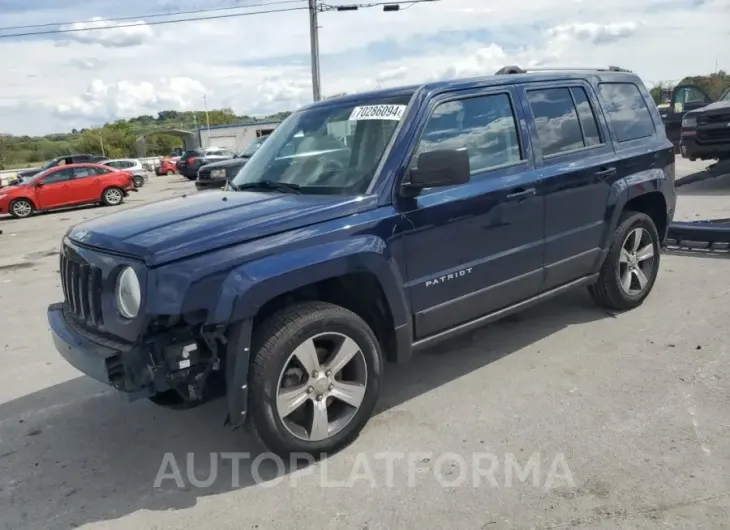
112	196
170	172
21	208
318	403
631	265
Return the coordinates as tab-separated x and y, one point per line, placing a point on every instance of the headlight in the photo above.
689	122
218	174
128	293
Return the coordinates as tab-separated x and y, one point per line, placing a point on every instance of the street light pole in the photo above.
314	44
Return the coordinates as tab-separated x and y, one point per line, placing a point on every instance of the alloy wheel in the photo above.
321	386
636	262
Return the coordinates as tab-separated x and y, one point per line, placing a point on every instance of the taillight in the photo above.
191	160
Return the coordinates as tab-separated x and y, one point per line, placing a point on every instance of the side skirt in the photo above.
498	315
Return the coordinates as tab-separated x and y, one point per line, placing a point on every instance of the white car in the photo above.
130	165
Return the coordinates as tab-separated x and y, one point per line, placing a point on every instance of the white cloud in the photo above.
260	64
109	34
127	99
592	32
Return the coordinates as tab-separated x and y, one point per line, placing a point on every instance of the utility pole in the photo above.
314	43
101	141
207	119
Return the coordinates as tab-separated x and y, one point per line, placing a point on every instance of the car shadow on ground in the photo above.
77	453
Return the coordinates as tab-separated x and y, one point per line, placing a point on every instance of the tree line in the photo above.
116	139
714	85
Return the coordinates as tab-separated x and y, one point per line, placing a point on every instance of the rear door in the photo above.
85	184
55	189
578	165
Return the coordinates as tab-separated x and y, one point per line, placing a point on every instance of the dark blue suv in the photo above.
366	227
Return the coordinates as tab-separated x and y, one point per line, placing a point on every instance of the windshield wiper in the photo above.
283	187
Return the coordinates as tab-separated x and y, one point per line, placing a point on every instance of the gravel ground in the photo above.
564	416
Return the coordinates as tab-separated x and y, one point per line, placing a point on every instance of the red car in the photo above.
167	166
63	186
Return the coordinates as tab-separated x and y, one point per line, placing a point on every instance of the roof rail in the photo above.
517	70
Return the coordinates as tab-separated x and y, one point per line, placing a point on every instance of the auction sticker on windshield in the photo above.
378	112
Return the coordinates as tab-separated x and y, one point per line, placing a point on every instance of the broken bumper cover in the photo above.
125	369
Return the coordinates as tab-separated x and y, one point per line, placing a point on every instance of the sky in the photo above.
260	64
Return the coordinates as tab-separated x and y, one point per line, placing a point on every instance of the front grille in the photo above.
81	284
713	135
203	175
707	119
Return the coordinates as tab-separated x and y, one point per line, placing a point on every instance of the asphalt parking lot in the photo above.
625	419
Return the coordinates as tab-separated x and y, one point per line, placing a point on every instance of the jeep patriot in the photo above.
366	227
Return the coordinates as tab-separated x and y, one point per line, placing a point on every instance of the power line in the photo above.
153	23
155	15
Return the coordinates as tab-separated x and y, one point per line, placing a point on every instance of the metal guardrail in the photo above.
9	174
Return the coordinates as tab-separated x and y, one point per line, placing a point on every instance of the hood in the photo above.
226	164
177	228
29	172
722	106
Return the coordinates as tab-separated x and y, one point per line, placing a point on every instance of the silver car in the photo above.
130	165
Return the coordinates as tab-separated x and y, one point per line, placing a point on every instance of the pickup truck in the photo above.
401	218
706	131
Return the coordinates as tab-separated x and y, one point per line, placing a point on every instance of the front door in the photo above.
474	248
578	164
684	99
54	190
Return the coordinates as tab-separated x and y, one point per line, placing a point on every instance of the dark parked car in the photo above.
706	131
458	203
191	161
62	160
216	174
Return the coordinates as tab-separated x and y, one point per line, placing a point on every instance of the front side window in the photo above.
310	149
484	125
62	175
626	110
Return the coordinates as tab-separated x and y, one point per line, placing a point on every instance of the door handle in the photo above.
521	193
608	172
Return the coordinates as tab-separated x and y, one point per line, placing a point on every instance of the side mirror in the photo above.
39	184
439	168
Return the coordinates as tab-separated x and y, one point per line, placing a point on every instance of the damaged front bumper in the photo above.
196	368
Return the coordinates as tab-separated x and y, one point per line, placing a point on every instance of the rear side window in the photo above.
484	125
627	111
556	117
587	117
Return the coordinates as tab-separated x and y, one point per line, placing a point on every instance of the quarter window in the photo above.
627	111
484	125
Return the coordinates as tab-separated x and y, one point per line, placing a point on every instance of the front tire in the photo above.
112	197
21	208
315	379
170	172
138	181
631	265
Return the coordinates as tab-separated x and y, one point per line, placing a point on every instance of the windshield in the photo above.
334	149
252	147
49	164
